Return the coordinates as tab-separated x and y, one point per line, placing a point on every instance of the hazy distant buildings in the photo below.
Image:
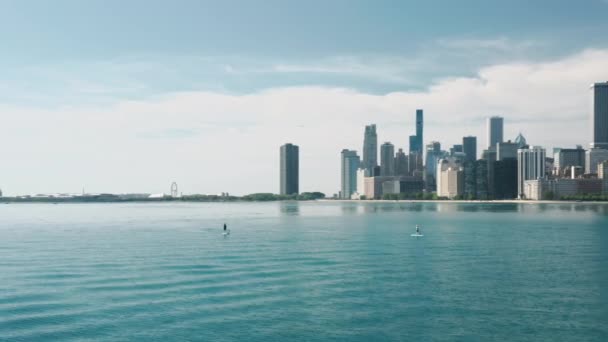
567	157
433	154
370	149
494	131
599	115
506	150
521	141
416	141
401	163
387	159
289	170
469	147
549	189
350	165
594	156
530	166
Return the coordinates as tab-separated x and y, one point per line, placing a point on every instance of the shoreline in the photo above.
513	201
412	201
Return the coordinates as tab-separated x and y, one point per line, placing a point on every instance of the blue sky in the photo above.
75	62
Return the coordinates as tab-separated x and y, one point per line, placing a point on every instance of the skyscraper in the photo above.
495	131
433	154
401	164
416	141
290	164
370	148
506	150
469	147
387	159
350	163
599	116
419	123
530	166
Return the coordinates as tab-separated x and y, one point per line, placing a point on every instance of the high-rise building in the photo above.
505	150
290	165
602	171
469	147
419	125
594	156
530	166
350	164
416	141
495	131
481	180
401	164
370	148
470	180
387	159
433	154
521	141
450	178
456	148
414	163
505	179
599	116
568	157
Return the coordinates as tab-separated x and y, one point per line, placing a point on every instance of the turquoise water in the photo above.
303	271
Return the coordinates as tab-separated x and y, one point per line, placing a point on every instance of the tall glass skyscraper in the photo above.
350	164
495	131
387	159
370	149
290	165
599	116
469	147
416	141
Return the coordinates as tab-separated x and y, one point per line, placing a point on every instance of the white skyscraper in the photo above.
530	166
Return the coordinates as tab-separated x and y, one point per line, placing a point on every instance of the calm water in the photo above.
303	271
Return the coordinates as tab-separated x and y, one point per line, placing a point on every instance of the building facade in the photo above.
350	163
495	130
401	163
568	157
505	179
290	169
387	159
450	178
370	148
599	115
505	150
593	157
416	141
530	166
469	147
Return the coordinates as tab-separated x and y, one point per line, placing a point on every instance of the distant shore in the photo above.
15	200
513	201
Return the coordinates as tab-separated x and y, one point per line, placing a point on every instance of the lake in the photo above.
304	271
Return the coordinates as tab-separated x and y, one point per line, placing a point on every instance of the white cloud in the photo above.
210	142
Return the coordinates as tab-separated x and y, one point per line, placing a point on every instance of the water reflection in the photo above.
358	208
290	208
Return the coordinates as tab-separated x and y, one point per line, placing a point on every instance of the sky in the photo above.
129	96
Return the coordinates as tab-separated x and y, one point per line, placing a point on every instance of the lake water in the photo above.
303	271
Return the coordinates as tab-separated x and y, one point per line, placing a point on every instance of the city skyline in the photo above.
139	105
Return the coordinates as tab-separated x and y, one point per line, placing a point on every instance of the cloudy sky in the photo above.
128	96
